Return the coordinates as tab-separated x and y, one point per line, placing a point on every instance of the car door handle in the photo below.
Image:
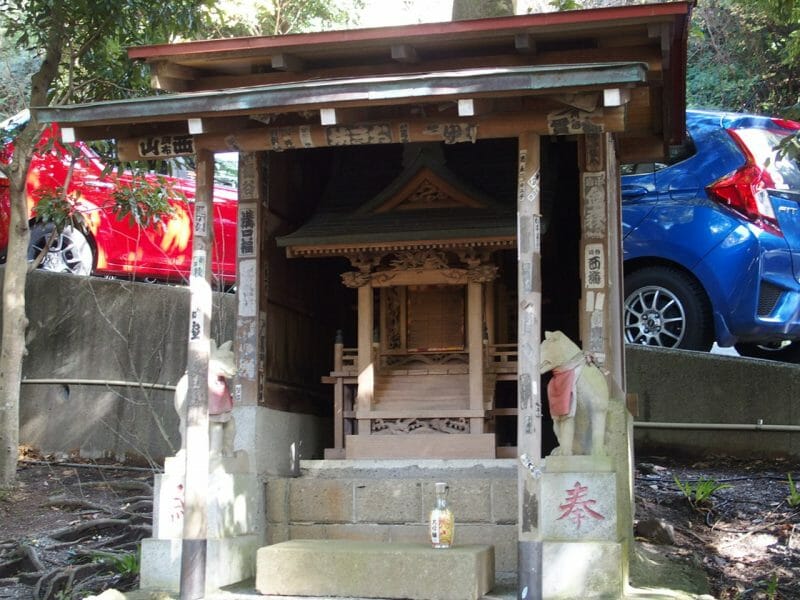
631	192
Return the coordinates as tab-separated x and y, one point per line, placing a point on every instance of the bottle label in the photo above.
441	528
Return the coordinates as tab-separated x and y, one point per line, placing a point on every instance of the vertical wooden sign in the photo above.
249	314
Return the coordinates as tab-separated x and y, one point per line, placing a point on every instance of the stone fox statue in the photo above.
578	385
221	367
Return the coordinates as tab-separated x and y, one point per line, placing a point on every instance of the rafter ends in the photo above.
524	43
466	107
287	62
195	126
472	107
327	116
68	135
616	96
404	53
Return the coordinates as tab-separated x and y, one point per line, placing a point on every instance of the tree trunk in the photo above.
16	273
14	319
478	9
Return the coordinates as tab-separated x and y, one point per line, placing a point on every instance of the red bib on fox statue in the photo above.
578	385
220	400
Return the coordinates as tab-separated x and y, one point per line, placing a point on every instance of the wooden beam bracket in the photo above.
288	62
404	53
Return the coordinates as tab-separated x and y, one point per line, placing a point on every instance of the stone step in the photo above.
354	569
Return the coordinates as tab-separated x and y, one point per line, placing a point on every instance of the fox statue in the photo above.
221	367
578	386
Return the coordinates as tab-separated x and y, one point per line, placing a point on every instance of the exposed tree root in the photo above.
97	551
76	504
22	558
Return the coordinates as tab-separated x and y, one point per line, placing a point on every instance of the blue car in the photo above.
712	240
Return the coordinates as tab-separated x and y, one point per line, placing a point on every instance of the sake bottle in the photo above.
441	520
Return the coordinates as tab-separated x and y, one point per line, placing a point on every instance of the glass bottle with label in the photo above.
441	520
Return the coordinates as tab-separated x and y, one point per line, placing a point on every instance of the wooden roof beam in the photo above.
663	32
288	62
171	77
449	130
404	53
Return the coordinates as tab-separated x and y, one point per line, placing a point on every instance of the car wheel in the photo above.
70	252
668	308
783	351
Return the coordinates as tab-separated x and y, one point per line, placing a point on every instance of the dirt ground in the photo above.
746	539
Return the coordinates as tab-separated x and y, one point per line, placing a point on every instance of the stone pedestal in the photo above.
582	542
353	569
234	496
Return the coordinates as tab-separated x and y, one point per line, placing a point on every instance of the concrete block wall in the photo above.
98	330
390	501
718	392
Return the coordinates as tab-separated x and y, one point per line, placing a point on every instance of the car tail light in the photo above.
786	124
745	191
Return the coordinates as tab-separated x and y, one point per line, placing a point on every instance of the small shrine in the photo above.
424	255
429	225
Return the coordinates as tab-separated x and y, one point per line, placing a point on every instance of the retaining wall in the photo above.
97	329
698	388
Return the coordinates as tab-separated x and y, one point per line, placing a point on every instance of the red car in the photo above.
160	252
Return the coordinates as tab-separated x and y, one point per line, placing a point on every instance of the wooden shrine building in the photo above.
417	205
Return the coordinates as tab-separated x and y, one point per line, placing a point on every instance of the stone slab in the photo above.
582	570
344	568
228	561
457	446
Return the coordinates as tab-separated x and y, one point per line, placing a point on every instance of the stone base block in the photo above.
335	568
579	506
228	561
582	570
232	508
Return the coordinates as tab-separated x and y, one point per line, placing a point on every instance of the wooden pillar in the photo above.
250	315
489	312
601	264
601	311
475	347
193	557
529	407
366	369
615	348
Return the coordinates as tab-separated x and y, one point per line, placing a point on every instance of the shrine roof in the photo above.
336	234
425	205
222	91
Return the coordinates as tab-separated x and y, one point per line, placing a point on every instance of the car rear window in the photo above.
762	144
